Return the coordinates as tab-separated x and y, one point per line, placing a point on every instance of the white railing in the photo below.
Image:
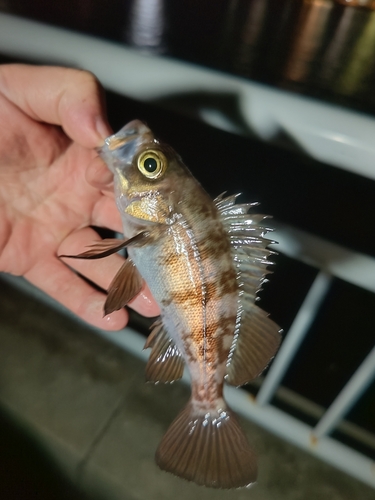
293	340
329	135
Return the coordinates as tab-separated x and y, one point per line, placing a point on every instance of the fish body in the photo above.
204	261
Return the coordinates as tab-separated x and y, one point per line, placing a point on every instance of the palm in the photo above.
47	204
52	200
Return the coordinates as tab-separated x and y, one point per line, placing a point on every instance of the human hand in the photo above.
53	187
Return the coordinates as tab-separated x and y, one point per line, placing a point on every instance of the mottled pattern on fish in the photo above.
204	260
194	281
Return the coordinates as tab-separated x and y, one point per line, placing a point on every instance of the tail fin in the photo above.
209	449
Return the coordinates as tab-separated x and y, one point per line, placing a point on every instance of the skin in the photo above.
53	187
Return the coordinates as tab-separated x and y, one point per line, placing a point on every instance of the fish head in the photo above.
148	175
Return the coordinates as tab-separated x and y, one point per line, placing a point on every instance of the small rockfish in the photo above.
204	261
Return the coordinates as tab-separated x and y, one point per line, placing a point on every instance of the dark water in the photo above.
320	48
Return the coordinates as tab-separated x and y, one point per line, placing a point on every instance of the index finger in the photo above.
68	97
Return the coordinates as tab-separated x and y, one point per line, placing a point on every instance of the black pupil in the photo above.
150	164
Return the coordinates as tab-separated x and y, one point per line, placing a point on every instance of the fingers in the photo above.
62	284
61	96
144	303
105	214
103	271
98	174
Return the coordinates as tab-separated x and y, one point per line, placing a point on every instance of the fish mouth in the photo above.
130	132
120	148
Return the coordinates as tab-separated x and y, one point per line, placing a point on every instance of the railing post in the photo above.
296	334
348	396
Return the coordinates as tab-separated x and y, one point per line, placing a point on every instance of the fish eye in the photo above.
152	164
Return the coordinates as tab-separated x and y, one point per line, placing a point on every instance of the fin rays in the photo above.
257	343
209	449
165	363
125	285
104	248
258	337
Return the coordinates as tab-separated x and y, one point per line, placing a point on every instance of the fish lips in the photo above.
119	149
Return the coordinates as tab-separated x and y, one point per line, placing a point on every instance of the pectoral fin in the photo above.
125	285
165	363
104	248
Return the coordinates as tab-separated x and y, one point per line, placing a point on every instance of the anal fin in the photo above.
165	363
258	341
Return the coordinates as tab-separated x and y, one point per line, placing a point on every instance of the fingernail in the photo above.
103	129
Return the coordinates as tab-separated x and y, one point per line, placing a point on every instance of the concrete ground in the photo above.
78	421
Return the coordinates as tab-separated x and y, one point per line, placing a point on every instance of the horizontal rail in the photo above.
328	133
354	267
347	398
300	434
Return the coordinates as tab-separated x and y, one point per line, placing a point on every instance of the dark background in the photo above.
320	48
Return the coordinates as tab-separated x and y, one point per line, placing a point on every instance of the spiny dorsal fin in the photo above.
165	363
257	337
125	285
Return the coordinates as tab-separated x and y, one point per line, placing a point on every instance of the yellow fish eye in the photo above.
152	164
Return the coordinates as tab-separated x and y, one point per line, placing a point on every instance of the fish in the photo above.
204	261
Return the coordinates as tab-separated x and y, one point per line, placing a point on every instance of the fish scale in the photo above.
186	293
